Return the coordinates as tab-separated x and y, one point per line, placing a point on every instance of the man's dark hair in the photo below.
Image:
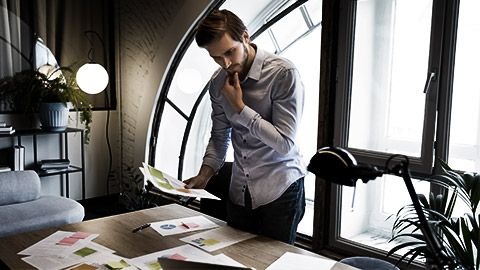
216	24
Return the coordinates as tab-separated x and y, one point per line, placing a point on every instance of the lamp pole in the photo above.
441	259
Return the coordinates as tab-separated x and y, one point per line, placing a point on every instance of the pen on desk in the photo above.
141	228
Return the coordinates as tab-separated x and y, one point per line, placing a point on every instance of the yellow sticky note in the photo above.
155	265
84	267
210	242
118	265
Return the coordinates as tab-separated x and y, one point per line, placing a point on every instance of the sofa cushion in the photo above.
47	211
19	186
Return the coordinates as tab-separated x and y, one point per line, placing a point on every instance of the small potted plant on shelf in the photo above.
49	91
459	235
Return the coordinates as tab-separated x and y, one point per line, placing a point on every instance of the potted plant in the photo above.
459	235
30	91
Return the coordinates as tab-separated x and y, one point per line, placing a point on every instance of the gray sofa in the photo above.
22	208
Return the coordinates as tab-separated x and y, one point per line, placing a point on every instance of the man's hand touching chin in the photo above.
233	92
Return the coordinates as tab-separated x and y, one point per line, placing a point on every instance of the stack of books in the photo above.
6	129
54	165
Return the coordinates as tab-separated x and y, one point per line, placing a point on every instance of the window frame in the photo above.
439	96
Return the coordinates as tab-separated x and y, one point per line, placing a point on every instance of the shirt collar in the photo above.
256	68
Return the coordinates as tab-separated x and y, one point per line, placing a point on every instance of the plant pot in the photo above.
53	116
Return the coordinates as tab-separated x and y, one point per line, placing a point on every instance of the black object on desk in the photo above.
141	227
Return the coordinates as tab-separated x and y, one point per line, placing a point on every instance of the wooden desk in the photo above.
116	233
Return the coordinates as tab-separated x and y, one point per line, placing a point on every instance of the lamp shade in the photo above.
92	78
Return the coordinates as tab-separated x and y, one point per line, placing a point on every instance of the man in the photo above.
257	101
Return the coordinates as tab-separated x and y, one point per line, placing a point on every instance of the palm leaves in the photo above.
460	235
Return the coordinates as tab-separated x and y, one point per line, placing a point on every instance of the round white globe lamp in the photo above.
92	78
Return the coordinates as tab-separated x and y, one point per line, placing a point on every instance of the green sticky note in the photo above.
210	242
84	252
155	265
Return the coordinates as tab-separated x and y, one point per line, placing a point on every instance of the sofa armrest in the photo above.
19	186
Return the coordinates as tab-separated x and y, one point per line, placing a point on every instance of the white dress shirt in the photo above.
263	134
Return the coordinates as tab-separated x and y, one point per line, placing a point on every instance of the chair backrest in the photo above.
19	186
218	186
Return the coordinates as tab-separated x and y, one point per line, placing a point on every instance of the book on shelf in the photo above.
21	158
7	132
16	158
54	163
5	169
54	170
3	124
6	128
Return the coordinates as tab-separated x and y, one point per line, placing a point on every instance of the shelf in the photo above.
72	169
38	131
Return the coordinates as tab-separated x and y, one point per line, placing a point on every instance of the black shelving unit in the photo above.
72	168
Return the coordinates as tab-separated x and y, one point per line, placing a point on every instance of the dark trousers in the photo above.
278	219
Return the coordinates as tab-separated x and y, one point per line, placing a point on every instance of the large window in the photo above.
183	113
408	69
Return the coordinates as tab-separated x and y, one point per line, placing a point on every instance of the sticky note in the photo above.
177	256
84	252
210	242
117	265
84	267
190	225
80	235
155	265
67	241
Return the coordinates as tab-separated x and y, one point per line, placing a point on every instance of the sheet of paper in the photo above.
217	238
296	261
105	262
182	225
171	185
50	246
90	250
185	252
225	260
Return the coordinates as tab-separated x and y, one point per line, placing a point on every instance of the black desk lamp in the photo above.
340	167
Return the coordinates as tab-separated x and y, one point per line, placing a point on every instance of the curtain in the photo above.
16	39
34	33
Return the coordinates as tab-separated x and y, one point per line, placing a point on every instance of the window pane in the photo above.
198	139
265	41
464	136
191	76
289	28
391	52
314	9
169	139
365	218
309	67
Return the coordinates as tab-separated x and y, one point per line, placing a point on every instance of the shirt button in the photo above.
244	157
247	175
244	140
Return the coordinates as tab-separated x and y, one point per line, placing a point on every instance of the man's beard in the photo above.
241	65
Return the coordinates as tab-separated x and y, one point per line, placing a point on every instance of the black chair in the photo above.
218	186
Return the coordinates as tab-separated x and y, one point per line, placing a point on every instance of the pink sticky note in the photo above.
80	235
190	225
67	241
177	256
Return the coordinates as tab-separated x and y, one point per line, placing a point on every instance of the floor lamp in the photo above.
92	78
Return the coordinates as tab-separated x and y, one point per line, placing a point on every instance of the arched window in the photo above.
181	126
